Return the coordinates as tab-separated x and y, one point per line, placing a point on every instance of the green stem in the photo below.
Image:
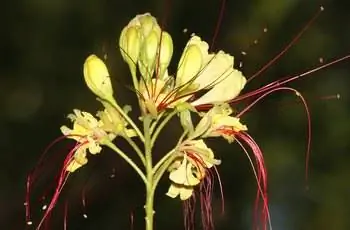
149	174
161	126
136	148
161	161
154	124
161	170
128	160
127	118
164	163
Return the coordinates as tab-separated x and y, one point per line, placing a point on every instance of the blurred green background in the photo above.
43	46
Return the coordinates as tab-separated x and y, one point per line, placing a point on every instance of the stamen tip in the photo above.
85	216
44	207
29	222
321	8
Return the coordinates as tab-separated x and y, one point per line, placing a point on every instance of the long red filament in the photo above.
218	24
288	46
61	182
34	173
308	116
261	177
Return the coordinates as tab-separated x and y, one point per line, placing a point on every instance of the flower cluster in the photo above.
202	79
149	50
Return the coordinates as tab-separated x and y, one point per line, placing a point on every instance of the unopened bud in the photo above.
148	55
97	77
166	52
190	65
129	44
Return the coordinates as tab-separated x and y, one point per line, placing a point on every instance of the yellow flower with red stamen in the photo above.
88	133
216	120
188	170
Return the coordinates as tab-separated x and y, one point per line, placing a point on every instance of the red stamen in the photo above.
31	178
218	24
61	182
65	215
307	111
261	178
283	81
189	212
288	46
221	191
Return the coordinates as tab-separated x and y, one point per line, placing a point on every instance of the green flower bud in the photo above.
97	77
166	52
129	44
148	55
148	24
141	42
189	66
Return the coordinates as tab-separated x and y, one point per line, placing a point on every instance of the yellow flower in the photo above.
214	72
88	132
216	121
187	172
113	123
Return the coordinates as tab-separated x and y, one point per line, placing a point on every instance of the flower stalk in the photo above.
205	85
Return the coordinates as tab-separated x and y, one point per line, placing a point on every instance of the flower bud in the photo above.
148	24
129	44
97	77
148	55
166	52
189	65
143	42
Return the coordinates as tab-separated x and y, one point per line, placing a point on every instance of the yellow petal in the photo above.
191	180
186	192
228	121
229	87
189	65
79	159
178	176
173	191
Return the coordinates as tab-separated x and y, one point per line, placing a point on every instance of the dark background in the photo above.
44	44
